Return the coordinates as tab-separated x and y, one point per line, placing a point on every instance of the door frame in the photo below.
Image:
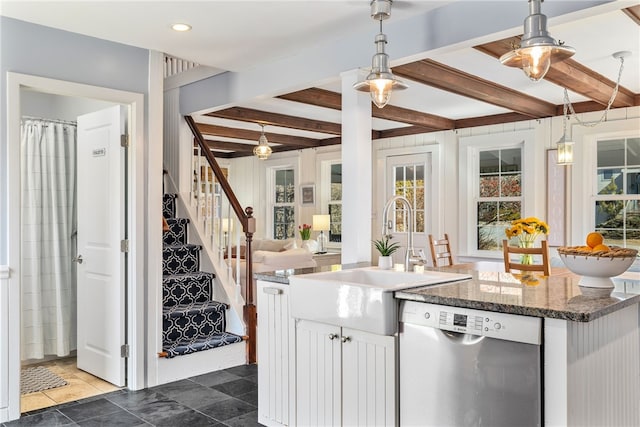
135	216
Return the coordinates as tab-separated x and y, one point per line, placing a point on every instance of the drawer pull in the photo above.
272	291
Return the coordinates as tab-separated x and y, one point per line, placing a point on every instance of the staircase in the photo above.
191	320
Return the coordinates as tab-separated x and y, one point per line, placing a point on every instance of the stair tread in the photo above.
183	310
183	246
217	339
184	277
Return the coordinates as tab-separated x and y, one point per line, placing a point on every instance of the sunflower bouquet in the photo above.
527	230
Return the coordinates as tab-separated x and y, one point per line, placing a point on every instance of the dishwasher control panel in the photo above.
476	322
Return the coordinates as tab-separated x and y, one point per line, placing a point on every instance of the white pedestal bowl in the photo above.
597	268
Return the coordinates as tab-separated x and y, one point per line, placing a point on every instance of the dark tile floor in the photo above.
222	398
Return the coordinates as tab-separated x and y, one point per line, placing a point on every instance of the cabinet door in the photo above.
276	363
369	390
318	374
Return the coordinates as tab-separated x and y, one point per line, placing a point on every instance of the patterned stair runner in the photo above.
191	320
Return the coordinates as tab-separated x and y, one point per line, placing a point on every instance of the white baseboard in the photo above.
202	362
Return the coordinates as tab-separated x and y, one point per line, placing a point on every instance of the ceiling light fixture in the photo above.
181	27
537	48
380	82
262	150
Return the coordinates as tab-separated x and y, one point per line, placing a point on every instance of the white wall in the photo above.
49	106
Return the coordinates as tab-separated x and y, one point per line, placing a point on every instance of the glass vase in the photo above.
526	259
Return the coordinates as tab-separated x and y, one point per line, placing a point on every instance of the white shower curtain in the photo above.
48	164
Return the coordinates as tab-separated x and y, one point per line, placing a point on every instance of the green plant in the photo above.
385	247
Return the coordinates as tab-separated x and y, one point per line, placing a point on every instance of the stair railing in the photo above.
221	214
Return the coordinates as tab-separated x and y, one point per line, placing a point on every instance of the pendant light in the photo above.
380	82
538	50
565	145
262	150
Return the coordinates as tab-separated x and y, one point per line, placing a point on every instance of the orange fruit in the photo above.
594	239
601	247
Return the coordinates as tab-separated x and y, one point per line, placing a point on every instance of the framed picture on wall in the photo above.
308	194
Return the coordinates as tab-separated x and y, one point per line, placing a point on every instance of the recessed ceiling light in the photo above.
181	27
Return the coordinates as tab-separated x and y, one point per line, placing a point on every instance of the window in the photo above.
409	182
499	195
617	201
335	203
283	206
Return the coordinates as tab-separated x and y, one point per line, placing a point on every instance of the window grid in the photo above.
335	203
410	183
284	204
617	200
499	195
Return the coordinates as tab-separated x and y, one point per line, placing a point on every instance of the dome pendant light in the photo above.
262	150
380	82
538	50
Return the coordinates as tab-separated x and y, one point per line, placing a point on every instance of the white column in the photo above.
356	171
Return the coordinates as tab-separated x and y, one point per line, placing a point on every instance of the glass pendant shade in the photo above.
565	152
538	50
536	61
262	150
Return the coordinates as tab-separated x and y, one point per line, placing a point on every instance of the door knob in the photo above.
77	259
333	336
346	339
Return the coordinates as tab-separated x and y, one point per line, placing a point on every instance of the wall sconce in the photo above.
537	48
380	82
321	223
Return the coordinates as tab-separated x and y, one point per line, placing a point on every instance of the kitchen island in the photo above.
591	346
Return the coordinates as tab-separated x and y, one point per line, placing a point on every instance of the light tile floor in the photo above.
223	398
80	385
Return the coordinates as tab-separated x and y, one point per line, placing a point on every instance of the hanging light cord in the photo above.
567	102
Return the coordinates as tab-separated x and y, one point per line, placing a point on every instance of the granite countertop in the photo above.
556	296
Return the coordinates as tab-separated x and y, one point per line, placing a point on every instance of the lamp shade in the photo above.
321	222
227	225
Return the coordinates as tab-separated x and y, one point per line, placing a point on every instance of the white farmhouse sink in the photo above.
360	298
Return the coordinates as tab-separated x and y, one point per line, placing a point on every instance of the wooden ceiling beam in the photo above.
404	131
494	119
571	75
250	135
633	12
230	146
275	119
328	99
449	79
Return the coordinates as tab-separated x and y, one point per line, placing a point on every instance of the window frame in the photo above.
624	197
533	190
271	170
326	161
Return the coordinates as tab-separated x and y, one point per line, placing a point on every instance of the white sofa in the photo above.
272	255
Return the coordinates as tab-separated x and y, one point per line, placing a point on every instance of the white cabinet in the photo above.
276	349
344	376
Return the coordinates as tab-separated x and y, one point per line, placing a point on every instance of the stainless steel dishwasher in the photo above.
463	367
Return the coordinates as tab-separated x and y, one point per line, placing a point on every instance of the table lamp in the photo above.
321	223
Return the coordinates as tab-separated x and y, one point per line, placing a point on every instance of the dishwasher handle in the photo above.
461	338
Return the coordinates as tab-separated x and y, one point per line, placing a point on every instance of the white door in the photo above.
101	227
410	176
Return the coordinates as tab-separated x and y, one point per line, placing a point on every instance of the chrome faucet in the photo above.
411	257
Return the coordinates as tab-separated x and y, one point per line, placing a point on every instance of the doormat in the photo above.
38	379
